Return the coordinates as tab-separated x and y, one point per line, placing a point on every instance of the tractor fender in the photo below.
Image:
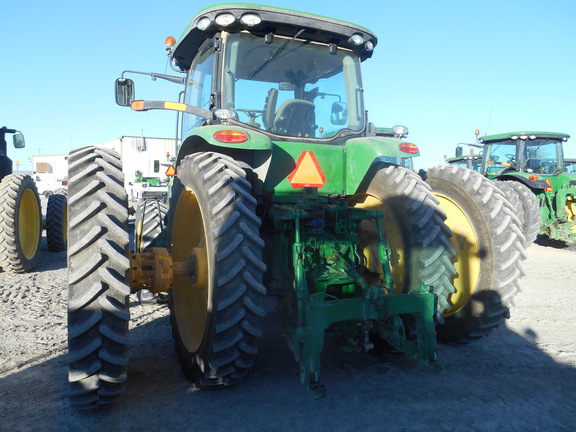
532	184
253	155
364	155
203	139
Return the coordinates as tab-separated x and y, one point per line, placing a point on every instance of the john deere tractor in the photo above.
20	212
469	160
532	165
283	188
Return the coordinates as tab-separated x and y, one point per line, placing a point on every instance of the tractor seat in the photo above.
296	118
533	164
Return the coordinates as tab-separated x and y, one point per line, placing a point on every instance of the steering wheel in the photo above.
253	114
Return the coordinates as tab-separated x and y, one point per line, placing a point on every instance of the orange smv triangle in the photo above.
307	172
170	171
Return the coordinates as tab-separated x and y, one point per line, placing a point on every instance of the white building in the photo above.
50	172
150	156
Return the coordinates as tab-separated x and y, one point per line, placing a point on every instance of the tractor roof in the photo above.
528	134
261	20
464	157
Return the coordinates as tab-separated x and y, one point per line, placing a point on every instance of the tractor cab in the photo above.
267	70
538	153
262	76
266	87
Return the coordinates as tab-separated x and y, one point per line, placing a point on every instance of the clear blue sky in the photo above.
442	68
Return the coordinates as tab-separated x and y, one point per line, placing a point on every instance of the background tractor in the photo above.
469	160
530	168
20	212
283	188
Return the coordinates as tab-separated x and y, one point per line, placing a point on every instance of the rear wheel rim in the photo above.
191	294
467	260
28	224
393	235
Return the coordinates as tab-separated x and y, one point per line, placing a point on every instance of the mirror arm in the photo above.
154	76
140	105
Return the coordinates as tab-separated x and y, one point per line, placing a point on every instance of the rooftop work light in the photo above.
250	19
225	19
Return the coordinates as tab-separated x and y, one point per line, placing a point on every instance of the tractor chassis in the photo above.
328	292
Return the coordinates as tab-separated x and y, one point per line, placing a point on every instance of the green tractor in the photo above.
283	188
20	212
470	160
532	166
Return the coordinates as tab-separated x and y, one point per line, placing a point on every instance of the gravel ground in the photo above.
520	378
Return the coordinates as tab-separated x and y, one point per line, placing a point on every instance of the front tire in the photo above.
56	223
20	223
98	284
489	245
216	312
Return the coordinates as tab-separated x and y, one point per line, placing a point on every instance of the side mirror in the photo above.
339	114
18	140
458	151
124	91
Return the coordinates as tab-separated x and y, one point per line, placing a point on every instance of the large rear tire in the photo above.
528	207
414	228
20	223
215	313
489	245
149	223
56	222
98	272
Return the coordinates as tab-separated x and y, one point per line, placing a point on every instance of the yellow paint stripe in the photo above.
175	106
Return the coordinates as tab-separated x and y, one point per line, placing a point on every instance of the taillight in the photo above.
230	136
408	148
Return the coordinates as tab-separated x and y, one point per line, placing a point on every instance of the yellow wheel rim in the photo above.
392	235
190	295
467	260
138	236
29	224
65	223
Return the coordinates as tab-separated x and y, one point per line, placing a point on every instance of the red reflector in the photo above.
230	136
533	177
408	148
170	171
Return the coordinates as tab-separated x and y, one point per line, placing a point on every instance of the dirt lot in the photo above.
520	378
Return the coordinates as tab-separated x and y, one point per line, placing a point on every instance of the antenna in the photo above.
489	118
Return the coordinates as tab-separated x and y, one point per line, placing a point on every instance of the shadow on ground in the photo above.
504	382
